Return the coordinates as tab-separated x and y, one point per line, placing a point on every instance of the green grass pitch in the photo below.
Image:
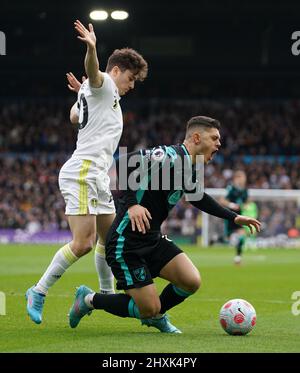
267	279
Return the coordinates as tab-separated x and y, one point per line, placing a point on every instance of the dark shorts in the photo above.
230	227
135	259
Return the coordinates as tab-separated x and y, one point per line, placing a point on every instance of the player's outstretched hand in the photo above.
139	217
86	35
250	222
74	84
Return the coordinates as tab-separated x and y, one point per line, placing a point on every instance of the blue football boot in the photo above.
35	304
163	324
79	308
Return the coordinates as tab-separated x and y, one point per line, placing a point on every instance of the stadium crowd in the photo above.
36	138
249	128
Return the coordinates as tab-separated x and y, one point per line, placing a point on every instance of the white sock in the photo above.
88	300
106	278
61	261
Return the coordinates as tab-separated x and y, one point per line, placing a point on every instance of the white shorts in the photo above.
85	188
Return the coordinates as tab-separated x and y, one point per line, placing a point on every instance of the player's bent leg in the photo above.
146	299
106	278
185	281
148	303
118	304
182	273
35	296
84	231
83	228
121	305
104	222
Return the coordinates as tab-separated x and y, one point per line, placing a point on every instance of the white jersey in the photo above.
100	122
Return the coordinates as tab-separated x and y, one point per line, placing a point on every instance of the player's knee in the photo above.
83	246
81	249
192	283
150	309
151	312
196	282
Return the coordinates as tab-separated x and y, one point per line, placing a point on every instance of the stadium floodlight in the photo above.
99	15
119	15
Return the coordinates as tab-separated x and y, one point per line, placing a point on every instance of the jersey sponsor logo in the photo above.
140	274
158	155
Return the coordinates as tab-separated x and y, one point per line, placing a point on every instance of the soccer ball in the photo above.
237	317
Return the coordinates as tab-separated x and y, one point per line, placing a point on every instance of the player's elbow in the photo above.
95	79
74	118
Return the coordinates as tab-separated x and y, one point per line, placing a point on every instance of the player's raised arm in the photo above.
91	62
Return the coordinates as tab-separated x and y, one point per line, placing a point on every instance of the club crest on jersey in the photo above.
94	202
158	155
140	274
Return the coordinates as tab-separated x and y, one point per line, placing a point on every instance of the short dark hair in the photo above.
128	59
202	121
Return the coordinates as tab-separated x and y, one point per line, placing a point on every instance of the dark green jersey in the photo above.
161	198
236	195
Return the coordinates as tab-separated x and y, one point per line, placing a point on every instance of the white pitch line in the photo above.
49	295
252	300
201	299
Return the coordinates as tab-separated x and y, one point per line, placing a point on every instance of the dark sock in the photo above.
171	296
117	304
239	246
124	306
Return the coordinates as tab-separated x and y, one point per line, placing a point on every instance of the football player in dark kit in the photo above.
236	200
136	251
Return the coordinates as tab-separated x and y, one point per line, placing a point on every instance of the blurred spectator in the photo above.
249	128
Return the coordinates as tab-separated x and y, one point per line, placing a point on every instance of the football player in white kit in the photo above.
83	179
